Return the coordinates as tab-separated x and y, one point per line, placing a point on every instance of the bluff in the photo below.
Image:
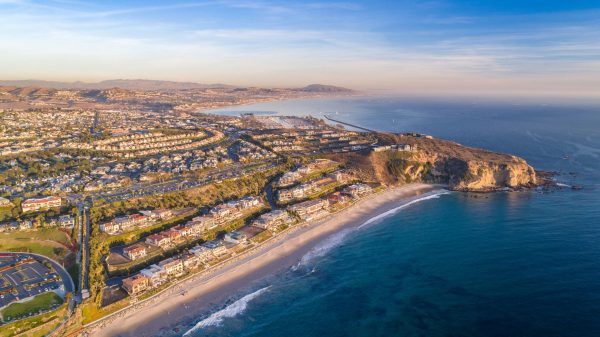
432	160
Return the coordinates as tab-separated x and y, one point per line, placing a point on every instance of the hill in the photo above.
434	160
316	88
159	85
108	84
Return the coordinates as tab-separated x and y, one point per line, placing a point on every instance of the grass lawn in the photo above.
91	312
52	250
41	324
39	303
51	234
47	242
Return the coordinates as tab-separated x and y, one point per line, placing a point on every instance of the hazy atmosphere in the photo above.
360	168
446	46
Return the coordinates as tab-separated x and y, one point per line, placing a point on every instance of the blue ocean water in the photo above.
503	264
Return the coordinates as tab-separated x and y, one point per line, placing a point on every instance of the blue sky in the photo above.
406	45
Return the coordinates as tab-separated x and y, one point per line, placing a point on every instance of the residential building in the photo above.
172	266
217	247
309	210
357	190
40	203
200	224
4	202
249	202
298	192
25	225
221	212
155	274
271	219
340	176
66	221
110	227
289	178
126	223
184	231
135	251
136	284
337	198
158	240
191	261
203	253
173	234
161	213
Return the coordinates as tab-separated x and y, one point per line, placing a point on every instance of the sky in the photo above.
547	47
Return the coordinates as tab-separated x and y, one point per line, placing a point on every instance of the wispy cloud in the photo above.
277	42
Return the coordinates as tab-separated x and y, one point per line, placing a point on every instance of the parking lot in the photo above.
22	276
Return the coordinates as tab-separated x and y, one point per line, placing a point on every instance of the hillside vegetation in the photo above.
440	161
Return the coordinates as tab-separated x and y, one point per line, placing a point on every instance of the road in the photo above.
182	182
83	256
270	194
86	247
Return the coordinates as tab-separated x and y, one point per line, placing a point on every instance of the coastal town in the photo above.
277	168
109	203
131	193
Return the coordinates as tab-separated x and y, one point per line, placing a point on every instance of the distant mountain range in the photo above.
148	85
123	84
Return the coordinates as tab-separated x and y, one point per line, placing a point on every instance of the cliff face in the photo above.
439	161
464	168
481	175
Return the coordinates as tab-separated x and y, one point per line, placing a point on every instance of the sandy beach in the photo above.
210	290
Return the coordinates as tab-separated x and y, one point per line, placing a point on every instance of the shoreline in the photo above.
213	111
162	314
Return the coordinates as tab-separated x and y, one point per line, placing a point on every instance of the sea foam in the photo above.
323	248
231	310
383	215
338	238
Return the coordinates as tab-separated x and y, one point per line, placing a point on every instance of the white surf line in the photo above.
397	209
338	238
231	310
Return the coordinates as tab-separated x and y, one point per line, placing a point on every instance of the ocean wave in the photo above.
338	238
231	310
383	215
323	248
562	185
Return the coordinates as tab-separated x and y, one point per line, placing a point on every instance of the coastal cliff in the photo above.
440	161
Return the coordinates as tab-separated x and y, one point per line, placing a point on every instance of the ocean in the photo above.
451	264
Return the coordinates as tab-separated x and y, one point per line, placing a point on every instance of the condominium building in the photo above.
135	251
136	284
41	203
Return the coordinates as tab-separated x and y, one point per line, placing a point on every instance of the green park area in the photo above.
48	242
35	326
39	303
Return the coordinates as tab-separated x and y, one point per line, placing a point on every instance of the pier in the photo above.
348	124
